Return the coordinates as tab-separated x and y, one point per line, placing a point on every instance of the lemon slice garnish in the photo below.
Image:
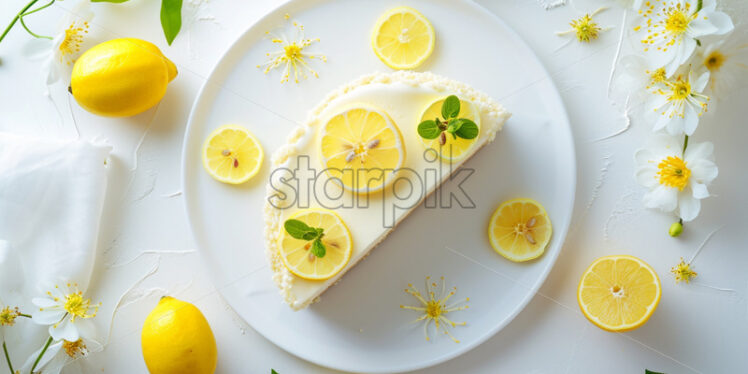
297	255
362	148
619	293
403	38
520	229
453	149
231	154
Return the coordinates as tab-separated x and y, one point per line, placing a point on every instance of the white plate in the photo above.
358	326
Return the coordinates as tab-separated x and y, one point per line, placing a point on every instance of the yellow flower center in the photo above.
677	19
657	76
8	316
71	44
714	61
672	172
74	349
680	90
293	51
77	306
585	28
683	272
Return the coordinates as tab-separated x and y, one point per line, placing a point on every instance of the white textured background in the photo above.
145	234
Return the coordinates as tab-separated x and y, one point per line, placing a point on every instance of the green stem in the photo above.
31	32
699	5
38	9
685	145
49	341
24	315
19	16
7	358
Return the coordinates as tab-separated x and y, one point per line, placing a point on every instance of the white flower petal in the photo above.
700	27
65	330
44	302
47	317
721	21
661	197
49	354
703	171
37	49
699	191
662	121
647	176
696	151
690	120
688	207
675	125
700	83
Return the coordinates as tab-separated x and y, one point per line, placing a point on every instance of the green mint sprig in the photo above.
448	124
302	231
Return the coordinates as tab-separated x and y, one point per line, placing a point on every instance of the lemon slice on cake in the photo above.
454	148
520	230
619	293
301	253
362	148
403	38
231	154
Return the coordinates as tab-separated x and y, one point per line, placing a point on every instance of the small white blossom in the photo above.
679	103
66	46
65	310
677	180
669	29
726	61
62	352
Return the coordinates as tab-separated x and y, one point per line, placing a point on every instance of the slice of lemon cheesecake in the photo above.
370	153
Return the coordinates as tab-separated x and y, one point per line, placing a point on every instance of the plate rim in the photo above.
556	101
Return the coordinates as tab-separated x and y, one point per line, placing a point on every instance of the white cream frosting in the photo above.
403	95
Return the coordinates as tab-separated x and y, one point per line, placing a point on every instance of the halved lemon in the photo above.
619	293
296	253
403	38
362	148
231	154
520	229
453	149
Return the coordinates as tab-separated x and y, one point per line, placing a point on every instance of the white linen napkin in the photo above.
51	200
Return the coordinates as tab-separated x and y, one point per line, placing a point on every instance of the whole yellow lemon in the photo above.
176	339
121	77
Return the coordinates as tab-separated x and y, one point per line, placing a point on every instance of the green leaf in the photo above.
451	107
272	371
647	371
309	235
171	18
318	249
298	229
110	1
454	125
428	129
468	130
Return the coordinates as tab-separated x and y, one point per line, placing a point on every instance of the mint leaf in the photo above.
451	107
171	18
429	129
468	129
299	230
454	126
318	249
272	371
647	371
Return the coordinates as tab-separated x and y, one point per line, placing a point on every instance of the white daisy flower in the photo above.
60	53
679	103
65	310
726	61
677	180
669	29
62	352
